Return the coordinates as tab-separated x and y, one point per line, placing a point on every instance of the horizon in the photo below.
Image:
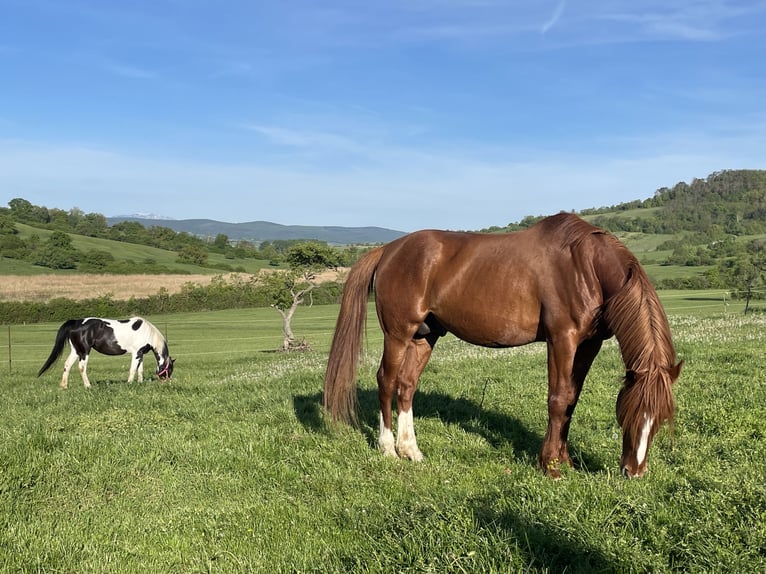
451	114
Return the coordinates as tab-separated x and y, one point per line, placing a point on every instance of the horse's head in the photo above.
165	371
643	405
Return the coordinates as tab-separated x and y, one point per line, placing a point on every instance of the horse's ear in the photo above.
675	372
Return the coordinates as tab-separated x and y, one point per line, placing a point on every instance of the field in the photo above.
41	288
230	467
119	287
122	251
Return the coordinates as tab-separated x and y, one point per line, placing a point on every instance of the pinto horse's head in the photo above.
643	405
165	371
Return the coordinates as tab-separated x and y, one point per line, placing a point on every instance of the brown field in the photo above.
42	288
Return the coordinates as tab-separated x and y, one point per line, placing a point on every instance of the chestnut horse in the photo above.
561	281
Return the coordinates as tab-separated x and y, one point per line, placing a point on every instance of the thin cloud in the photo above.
304	138
131	72
557	13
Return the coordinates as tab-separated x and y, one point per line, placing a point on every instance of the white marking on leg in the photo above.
132	372
643	443
83	366
406	444
70	360
386	440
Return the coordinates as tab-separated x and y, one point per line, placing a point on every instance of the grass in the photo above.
122	251
230	468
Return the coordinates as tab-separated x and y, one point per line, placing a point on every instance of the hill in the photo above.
257	231
729	202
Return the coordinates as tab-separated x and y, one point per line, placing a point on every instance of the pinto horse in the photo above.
562	281
136	336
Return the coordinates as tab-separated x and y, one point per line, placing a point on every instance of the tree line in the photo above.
58	252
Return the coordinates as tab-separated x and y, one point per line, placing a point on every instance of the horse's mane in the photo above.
158	341
568	229
635	316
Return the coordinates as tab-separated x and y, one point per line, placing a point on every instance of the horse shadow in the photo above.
541	542
499	429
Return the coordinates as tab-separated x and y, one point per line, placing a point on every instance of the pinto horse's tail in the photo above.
61	338
340	378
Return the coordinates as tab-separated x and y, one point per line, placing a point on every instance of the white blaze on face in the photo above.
643	443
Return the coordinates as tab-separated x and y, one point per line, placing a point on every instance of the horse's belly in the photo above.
494	331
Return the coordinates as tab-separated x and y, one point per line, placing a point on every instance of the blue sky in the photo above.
407	114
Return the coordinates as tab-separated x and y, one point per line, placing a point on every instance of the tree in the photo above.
7	226
748	271
289	289
192	254
57	252
221	242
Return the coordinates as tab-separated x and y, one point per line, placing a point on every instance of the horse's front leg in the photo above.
562	398
135	366
567	368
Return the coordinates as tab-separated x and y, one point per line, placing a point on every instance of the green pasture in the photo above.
230	468
122	251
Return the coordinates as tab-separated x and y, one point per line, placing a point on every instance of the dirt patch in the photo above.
41	288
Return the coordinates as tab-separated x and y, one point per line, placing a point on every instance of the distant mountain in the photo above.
257	231
137	216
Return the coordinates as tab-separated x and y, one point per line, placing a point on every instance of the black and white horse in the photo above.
136	336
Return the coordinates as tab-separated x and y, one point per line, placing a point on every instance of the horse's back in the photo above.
499	289
484	288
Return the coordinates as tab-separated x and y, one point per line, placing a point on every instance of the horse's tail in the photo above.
340	378
58	346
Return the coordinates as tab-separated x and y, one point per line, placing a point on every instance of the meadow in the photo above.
230	466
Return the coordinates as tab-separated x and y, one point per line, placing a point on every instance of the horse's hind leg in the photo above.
418	353
70	360
398	374
394	352
83	366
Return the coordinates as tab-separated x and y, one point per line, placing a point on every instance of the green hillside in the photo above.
142	256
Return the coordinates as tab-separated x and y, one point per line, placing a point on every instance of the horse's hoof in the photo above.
411	454
388	451
552	468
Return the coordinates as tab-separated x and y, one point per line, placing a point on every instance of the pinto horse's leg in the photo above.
567	368
136	367
418	353
70	361
83	366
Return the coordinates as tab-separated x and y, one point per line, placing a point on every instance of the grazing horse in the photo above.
562	281
136	336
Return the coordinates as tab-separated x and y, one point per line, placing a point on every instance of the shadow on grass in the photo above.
497	428
543	545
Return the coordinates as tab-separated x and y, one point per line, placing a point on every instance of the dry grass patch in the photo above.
78	287
41	288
